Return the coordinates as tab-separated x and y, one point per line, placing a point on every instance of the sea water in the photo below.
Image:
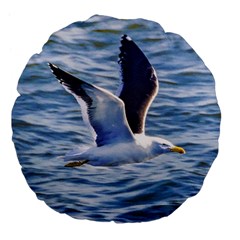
47	123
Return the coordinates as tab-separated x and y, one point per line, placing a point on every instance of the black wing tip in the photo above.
53	67
66	78
125	40
56	71
125	37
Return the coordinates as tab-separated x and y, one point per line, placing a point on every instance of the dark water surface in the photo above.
47	123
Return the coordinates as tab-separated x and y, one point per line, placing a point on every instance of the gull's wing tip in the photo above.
63	77
125	44
125	37
52	66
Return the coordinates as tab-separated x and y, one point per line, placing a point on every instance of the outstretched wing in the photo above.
139	84
103	111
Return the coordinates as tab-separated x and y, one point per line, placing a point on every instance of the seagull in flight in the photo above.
117	122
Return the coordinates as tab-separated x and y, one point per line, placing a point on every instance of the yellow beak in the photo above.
178	150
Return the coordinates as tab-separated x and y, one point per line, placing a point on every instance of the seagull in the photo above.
117	122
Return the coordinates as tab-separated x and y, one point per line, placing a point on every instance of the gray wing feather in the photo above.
103	111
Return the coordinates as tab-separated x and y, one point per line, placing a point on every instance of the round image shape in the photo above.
116	120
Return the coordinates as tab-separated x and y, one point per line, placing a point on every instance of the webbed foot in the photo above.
76	164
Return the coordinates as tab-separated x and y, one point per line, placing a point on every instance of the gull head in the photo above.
161	146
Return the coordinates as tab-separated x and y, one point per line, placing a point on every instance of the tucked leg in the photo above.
76	164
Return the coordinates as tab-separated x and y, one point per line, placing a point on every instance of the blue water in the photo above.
47	123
